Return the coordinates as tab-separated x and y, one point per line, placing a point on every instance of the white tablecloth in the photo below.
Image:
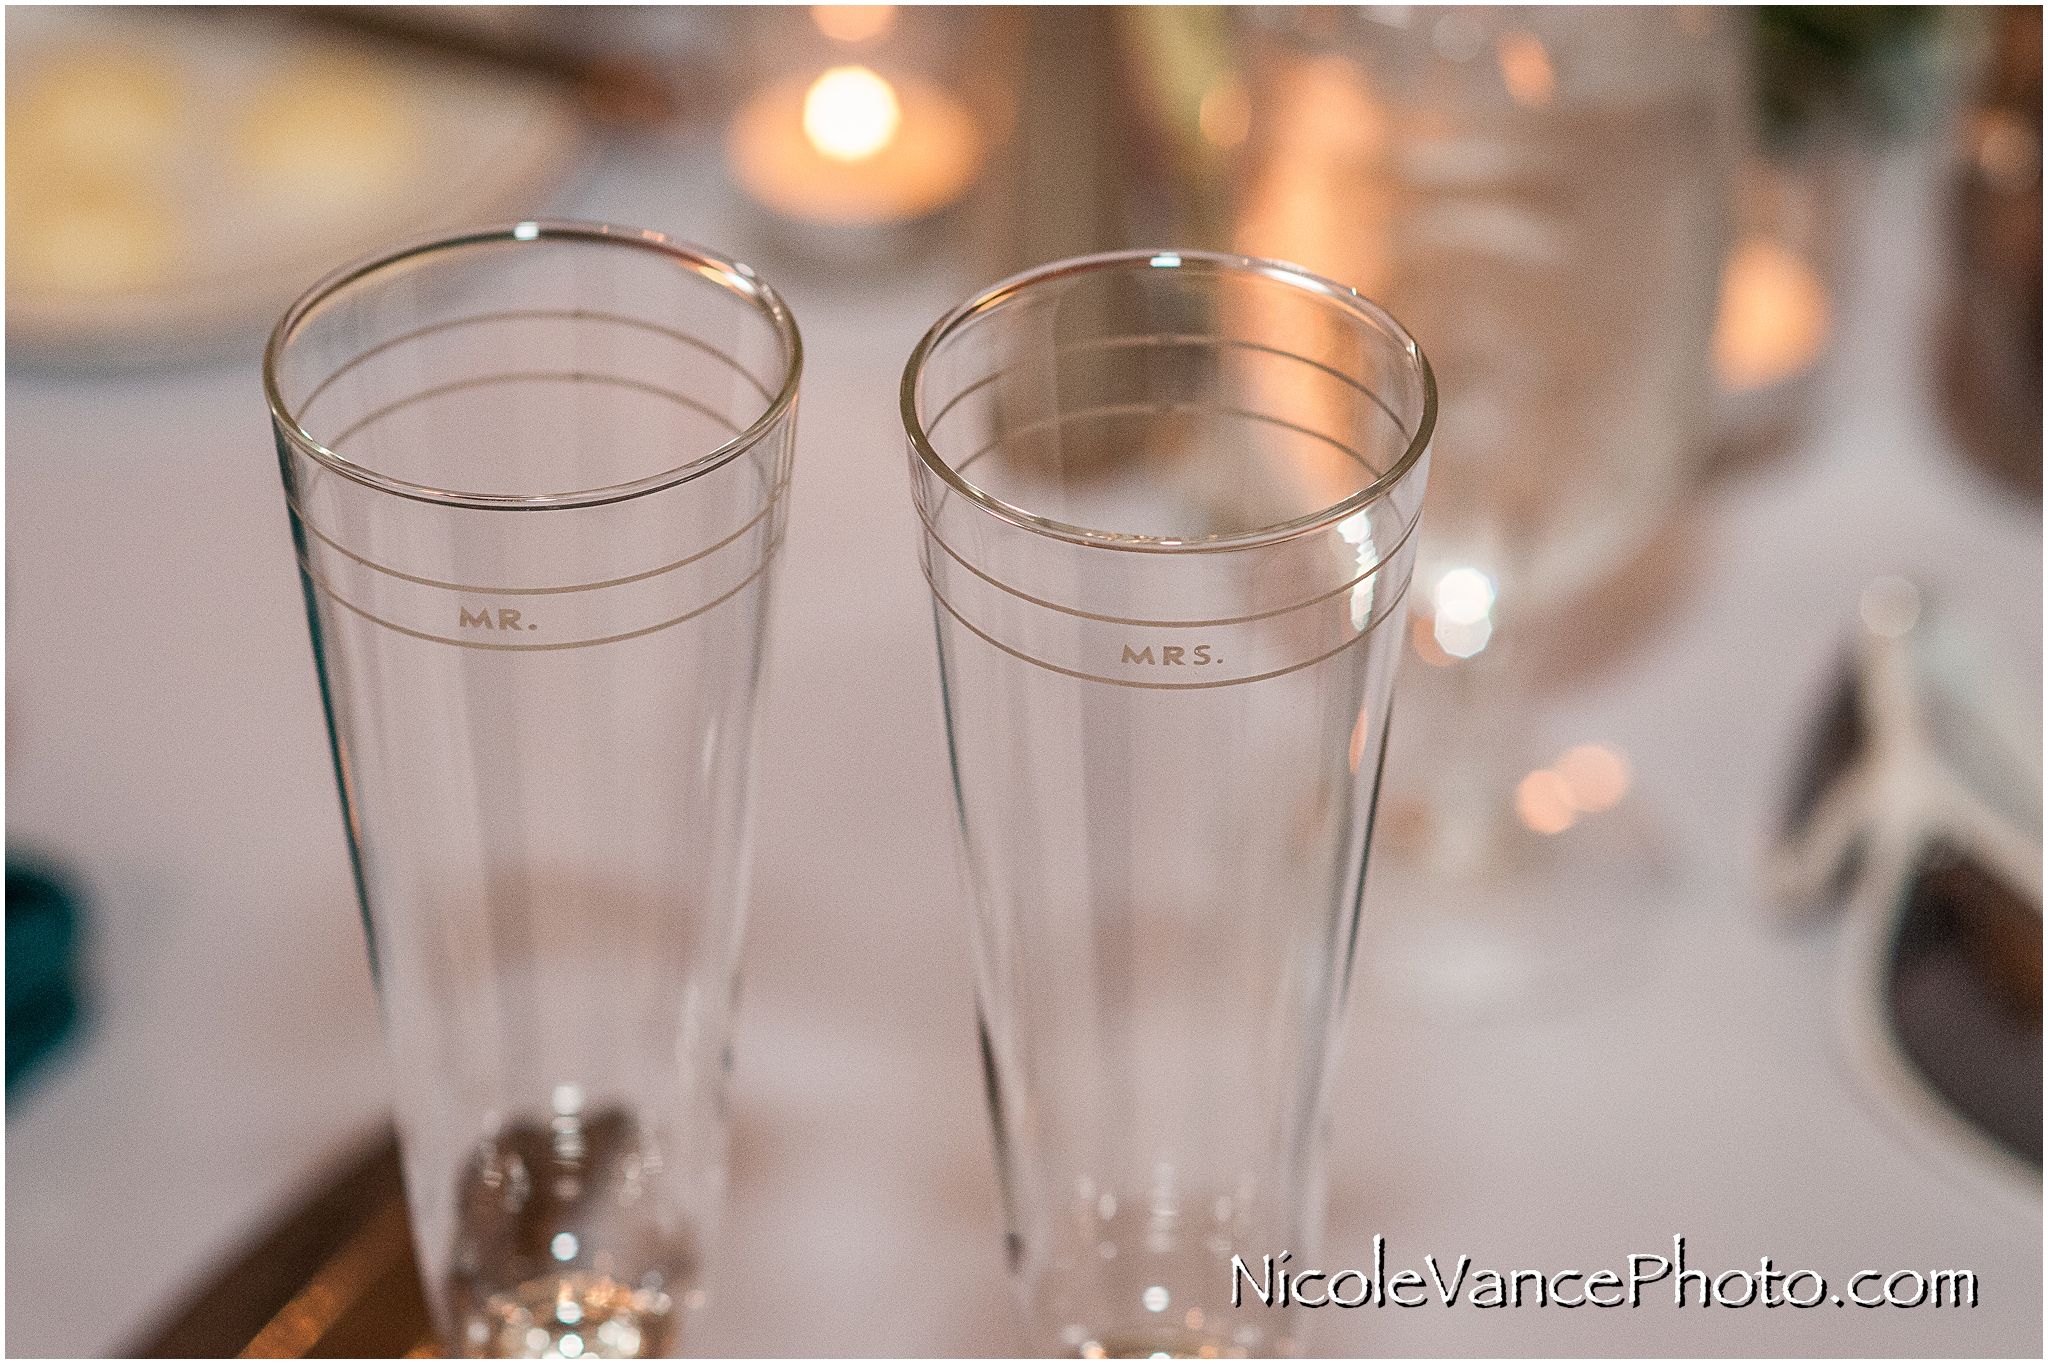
165	743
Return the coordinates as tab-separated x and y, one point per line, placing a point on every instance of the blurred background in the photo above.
1706	893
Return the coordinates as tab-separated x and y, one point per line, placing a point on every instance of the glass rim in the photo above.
737	278
1219	262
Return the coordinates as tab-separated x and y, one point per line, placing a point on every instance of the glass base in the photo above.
1189	1346
560	1252
1154	1281
573	1316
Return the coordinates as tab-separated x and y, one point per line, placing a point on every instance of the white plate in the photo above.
176	178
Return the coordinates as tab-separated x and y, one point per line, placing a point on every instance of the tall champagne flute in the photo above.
1168	503
537	477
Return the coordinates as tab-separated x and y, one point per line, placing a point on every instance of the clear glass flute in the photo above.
537	477
1168	502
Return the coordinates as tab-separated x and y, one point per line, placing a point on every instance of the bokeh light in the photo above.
1596	777
1543	800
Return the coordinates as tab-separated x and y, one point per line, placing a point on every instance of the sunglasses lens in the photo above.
1965	996
1836	744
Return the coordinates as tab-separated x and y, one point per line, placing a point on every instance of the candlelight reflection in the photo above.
1360	732
1356	529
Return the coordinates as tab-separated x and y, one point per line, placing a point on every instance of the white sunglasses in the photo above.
1918	810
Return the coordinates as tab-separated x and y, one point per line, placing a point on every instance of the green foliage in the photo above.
1875	65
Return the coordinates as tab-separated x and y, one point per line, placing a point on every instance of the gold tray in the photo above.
335	1278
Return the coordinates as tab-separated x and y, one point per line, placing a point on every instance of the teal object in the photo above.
42	998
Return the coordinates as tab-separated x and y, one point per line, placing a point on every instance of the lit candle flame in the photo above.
850	113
